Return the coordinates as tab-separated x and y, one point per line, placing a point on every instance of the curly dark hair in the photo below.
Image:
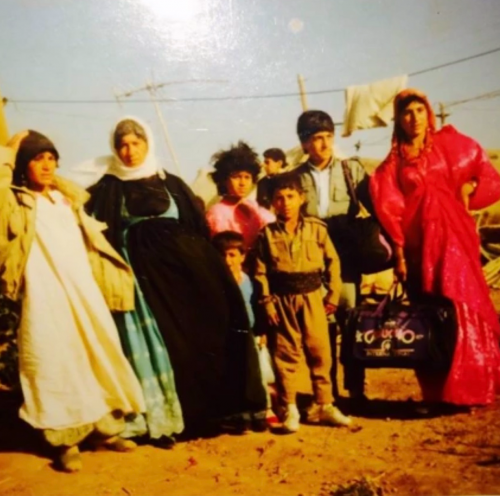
238	158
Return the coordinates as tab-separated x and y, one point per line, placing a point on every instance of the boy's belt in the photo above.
287	283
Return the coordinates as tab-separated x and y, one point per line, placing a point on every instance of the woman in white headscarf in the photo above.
188	302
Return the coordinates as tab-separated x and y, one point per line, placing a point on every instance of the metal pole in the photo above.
302	90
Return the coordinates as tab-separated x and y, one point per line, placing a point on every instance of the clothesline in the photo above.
242	97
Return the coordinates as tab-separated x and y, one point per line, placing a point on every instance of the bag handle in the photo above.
395	287
387	298
390	297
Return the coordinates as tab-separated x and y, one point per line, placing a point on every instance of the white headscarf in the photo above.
148	168
89	172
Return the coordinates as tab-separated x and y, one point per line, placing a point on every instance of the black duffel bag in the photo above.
361	239
360	244
401	334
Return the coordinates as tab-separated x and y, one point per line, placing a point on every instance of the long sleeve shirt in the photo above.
309	249
326	190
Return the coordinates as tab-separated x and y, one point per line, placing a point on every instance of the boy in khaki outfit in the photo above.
294	258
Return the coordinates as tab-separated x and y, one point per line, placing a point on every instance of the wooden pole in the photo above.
302	90
4	132
442	114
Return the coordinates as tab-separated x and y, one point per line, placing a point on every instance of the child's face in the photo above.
287	203
234	260
319	147
239	184
272	167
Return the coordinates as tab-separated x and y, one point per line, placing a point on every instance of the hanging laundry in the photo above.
371	105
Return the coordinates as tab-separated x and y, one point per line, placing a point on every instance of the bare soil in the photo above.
392	449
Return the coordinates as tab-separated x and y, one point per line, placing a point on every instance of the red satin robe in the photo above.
418	201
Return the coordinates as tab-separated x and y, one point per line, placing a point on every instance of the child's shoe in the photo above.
331	415
259	424
271	419
259	421
291	422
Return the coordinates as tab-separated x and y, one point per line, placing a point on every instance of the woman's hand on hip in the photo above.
467	190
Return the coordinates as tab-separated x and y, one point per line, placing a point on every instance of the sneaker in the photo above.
312	414
331	415
291	422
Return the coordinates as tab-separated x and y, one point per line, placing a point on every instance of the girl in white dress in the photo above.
75	380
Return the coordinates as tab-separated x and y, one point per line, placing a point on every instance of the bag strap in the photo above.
391	297
349	181
382	305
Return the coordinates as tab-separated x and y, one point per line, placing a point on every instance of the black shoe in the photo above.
237	425
163	442
259	425
358	404
426	409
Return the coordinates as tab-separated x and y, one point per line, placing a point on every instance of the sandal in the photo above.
114	443
120	444
69	459
163	442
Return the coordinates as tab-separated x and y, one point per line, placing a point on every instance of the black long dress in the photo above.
197	304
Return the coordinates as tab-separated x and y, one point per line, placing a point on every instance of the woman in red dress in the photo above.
422	193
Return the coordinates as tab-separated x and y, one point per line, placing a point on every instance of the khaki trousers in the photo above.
303	329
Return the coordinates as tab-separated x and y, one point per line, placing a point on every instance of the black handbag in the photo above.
368	247
400	334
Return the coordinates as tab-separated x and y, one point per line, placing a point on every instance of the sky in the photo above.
225	62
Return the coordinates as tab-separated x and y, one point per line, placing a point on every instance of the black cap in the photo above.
30	147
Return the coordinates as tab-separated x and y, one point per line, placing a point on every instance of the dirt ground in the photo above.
397	454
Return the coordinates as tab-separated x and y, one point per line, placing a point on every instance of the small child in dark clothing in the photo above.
231	246
274	164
